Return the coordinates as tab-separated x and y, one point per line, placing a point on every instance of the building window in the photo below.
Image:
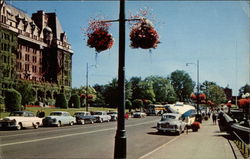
27	66
34	69
34	51
34	59
27	57
40	70
27	49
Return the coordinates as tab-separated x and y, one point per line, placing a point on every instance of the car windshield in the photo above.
112	112
80	113
97	113
56	113
16	114
168	117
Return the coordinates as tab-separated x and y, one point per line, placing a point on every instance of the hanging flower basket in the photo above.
100	39
98	36
143	35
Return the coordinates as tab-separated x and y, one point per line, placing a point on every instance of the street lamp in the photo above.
198	84
121	137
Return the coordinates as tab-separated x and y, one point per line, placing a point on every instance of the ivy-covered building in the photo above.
34	50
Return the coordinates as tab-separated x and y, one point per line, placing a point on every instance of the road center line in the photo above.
68	135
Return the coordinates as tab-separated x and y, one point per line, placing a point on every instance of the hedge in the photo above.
12	100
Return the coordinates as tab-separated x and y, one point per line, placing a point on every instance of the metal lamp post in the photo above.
198	84
121	138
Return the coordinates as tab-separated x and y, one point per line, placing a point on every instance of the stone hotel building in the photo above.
34	50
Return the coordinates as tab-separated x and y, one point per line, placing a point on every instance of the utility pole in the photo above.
87	87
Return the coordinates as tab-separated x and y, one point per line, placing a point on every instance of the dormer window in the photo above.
18	19
25	22
33	26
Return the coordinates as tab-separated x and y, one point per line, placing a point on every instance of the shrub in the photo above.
61	101
12	100
75	101
195	126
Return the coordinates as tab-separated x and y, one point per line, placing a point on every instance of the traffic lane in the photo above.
93	145
54	131
9	132
140	140
35	137
100	144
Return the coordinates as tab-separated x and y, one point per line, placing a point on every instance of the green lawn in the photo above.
49	110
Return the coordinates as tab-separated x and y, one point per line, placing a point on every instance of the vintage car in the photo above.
101	116
171	122
59	118
83	117
113	115
139	114
21	119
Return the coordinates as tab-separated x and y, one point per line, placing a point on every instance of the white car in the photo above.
171	122
113	114
21	119
59	118
101	116
139	114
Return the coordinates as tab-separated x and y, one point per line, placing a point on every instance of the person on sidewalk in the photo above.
214	118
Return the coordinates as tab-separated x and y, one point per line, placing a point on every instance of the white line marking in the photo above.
147	154
56	137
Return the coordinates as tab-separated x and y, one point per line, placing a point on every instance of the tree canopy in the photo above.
182	84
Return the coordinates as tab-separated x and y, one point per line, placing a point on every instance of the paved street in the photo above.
81	141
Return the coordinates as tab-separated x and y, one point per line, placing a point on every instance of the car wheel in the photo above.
36	125
71	123
59	124
91	121
160	131
101	120
19	126
179	132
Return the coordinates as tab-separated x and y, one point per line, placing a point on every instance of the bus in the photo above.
155	109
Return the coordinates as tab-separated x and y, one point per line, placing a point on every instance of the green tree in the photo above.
74	101
137	103
100	90
205	88
244	89
182	84
216	94
128	105
111	93
12	100
164	91
61	101
26	92
134	81
146	90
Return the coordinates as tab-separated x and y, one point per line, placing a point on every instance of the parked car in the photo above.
138	114
21	119
113	115
171	122
83	117
59	118
101	116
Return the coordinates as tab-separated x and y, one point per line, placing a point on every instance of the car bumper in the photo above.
7	125
168	129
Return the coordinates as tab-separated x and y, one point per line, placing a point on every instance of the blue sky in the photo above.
215	33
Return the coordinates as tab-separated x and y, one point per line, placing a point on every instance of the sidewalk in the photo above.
207	143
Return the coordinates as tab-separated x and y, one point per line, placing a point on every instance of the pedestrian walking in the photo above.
214	118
